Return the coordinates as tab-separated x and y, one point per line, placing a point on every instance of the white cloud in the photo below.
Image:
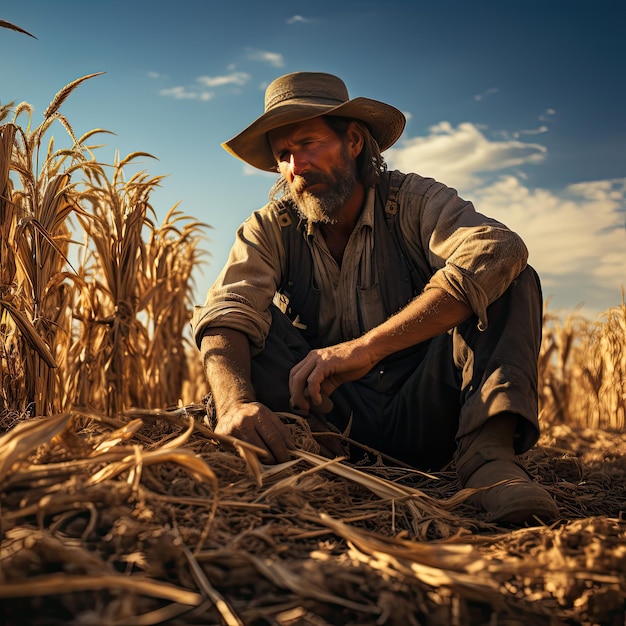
485	94
576	235
154	75
531	131
182	93
547	115
199	91
235	78
599	190
459	155
273	58
297	19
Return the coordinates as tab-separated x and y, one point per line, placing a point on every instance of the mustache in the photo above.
302	181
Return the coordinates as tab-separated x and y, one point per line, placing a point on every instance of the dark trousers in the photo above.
416	404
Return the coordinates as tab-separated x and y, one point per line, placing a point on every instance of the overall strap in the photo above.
396	178
391	184
297	295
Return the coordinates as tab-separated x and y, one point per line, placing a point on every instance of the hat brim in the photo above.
251	145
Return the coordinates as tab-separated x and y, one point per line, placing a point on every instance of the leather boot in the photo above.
487	457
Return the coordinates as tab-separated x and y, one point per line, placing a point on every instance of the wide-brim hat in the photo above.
304	95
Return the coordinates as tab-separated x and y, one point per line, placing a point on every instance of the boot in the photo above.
487	457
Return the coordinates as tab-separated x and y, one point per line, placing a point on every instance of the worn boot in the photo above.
487	457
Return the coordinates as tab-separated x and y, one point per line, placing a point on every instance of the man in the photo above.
385	293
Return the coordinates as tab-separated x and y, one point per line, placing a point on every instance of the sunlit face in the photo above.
318	167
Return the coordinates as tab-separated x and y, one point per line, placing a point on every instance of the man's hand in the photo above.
323	370
255	423
226	355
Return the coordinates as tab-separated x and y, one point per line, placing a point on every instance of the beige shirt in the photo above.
472	257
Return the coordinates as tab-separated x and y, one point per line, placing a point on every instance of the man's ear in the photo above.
354	140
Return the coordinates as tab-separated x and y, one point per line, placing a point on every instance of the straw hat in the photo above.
304	95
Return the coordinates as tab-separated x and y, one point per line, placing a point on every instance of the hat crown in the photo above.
301	96
305	87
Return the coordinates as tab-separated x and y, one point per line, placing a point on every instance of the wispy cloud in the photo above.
531	131
459	155
234	78
575	235
273	58
546	116
183	93
485	94
297	19
154	75
203	88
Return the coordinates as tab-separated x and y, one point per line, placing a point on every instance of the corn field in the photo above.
583	369
119	504
95	294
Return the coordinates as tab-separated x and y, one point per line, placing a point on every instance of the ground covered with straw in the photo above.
151	519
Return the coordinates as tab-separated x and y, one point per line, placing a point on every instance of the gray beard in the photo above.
324	208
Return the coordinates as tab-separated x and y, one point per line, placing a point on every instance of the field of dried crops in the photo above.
120	506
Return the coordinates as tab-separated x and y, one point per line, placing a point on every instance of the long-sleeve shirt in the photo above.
470	256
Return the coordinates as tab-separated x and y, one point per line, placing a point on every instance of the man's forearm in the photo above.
226	358
430	314
227	363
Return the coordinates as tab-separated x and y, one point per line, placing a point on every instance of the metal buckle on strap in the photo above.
284	218
391	207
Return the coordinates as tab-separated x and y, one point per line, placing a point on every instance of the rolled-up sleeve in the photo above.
241	295
472	257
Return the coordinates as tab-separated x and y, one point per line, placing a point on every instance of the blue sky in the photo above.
520	105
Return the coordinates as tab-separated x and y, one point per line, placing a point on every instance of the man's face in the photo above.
318	167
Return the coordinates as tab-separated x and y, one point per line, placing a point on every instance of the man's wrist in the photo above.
231	405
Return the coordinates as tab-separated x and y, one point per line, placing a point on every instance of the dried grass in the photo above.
90	330
147	519
583	369
11	26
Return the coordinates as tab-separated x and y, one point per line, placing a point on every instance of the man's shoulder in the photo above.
413	184
272	211
274	208
413	180
277	219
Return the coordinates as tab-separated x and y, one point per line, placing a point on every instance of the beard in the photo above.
324	206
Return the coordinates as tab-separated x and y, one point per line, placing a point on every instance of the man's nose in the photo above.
298	163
